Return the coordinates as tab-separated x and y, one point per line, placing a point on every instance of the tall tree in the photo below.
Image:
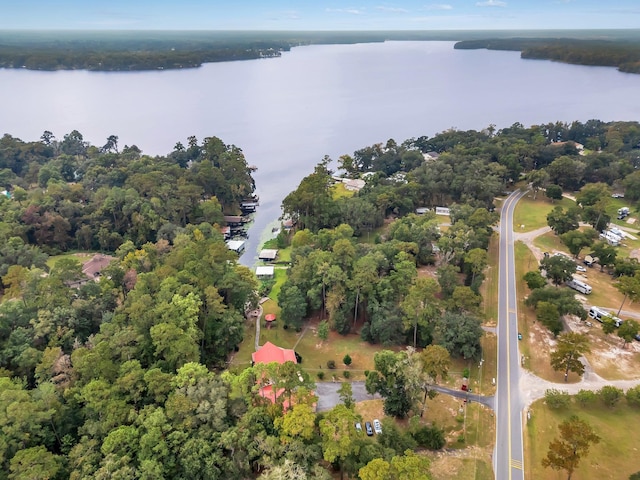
630	287
460	334
390	379
436	362
561	221
628	331
339	437
571	346
559	268
576	240
565	453
420	306
402	467
606	254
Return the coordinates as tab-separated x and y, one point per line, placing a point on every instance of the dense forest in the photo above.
137	50
125	376
623	54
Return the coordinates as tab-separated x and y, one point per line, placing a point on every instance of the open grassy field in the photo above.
532	214
615	457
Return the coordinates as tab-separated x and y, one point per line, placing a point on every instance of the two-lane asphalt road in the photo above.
508	456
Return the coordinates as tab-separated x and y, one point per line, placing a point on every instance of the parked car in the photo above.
637	337
358	427
368	428
377	426
580	268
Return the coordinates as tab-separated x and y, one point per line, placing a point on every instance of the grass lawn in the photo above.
370	237
537	339
533	213
280	276
339	190
80	256
489	289
616	456
472	457
550	242
456	468
315	353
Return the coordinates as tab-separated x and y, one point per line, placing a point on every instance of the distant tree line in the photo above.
624	54
137	50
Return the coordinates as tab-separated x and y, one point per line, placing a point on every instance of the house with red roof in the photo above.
270	353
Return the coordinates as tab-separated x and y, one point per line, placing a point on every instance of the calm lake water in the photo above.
287	113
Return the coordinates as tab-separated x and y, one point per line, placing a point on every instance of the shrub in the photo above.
586	397
320	375
265	287
346	374
556	398
347	360
331	364
610	395
466	373
430	437
323	330
633	396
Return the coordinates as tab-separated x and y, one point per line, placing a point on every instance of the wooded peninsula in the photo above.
144	50
623	54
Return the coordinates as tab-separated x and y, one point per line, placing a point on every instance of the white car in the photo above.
580	268
377	427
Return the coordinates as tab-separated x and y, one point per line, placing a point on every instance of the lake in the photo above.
287	113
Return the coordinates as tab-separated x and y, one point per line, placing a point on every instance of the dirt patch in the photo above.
451	463
428	271
608	357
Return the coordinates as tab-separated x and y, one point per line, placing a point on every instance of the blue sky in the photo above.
318	14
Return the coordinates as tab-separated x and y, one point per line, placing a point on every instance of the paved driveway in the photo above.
328	396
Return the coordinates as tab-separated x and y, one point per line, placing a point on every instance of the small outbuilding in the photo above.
236	245
268	254
265	273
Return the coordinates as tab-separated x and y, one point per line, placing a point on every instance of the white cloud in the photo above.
491	3
352	11
392	9
439	6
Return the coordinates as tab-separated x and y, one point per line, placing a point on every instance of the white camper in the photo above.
599	314
610	238
580	286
